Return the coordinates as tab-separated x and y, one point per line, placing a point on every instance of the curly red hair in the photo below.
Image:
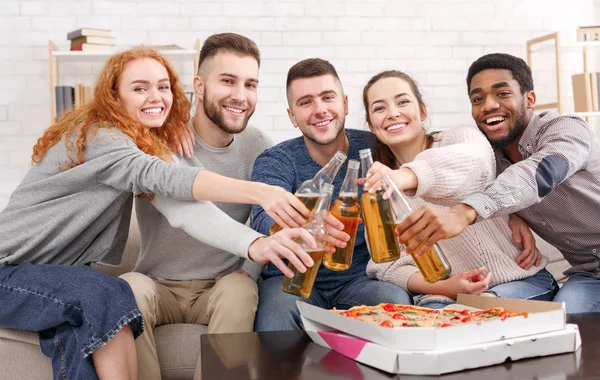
104	110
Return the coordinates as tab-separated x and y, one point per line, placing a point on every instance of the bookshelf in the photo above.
536	44
55	57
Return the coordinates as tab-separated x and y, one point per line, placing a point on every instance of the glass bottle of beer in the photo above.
433	264
347	211
302	283
378	219
309	190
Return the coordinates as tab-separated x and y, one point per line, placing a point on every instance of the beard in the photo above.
216	114
338	129
514	132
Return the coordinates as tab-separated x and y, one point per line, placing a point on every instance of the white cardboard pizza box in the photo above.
543	317
321	359
437	362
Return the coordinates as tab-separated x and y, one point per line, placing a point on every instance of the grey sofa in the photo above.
178	345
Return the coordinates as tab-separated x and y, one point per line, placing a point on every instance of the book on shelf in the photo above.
93	40
83	94
92	47
64	97
585	92
81	32
68	98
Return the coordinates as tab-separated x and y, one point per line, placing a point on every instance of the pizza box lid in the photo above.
437	362
543	317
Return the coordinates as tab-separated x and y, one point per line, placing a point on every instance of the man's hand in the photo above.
522	236
239	271
470	282
427	225
282	245
283	207
187	142
336	237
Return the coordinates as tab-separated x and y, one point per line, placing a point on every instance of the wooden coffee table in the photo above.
292	355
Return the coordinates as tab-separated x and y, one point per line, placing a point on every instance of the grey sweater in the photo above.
201	240
81	215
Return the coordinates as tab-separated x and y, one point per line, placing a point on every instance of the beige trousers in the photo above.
227	305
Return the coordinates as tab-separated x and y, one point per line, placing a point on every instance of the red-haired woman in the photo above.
73	208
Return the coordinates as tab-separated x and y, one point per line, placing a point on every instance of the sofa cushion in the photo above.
178	348
22	357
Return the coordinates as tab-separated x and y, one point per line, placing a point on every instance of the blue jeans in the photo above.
541	286
277	309
75	309
581	293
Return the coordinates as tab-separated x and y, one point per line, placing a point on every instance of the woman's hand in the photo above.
372	181
470	282
283	207
523	237
403	178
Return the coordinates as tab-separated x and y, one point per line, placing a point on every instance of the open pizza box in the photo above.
434	351
321	358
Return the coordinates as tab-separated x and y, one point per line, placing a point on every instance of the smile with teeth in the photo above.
152	111
495	120
234	110
322	123
395	127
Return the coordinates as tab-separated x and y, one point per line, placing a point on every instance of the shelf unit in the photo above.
56	57
558	46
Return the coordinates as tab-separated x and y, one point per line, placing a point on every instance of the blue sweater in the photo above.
288	164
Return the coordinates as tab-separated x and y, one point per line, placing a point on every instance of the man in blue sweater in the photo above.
318	106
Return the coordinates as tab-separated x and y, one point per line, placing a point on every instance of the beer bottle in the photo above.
433	264
378	219
347	211
302	283
309	190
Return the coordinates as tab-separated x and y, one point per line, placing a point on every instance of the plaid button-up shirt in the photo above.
555	188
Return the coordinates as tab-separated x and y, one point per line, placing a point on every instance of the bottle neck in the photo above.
365	164
400	206
350	185
329	171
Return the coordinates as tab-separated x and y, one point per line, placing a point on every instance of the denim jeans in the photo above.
541	286
581	293
277	309
75	309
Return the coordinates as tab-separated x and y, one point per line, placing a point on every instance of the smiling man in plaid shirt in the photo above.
548	169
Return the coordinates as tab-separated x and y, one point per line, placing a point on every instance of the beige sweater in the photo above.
460	162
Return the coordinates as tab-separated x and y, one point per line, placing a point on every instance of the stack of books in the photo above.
91	39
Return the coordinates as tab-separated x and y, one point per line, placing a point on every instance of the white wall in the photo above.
433	40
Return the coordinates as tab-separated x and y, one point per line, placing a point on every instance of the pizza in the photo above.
394	315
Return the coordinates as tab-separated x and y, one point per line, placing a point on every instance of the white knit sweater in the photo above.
460	162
